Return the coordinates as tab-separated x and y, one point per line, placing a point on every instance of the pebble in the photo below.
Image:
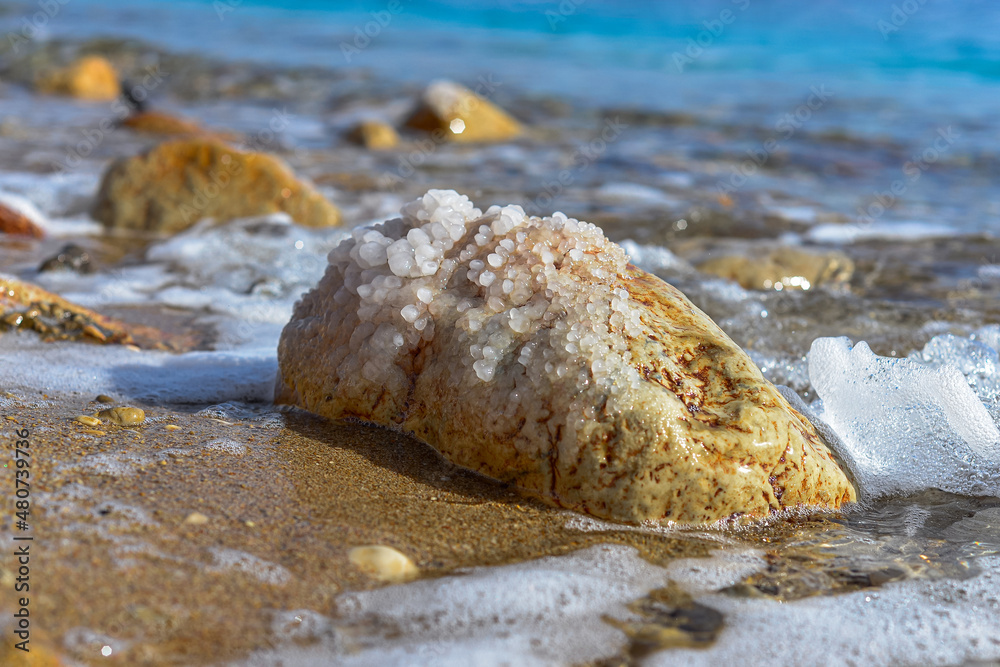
88	420
104	398
196	519
123	416
383	563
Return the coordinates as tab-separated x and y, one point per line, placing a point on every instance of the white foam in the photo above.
542	612
942	622
636	194
654	258
194	377
849	233
905	426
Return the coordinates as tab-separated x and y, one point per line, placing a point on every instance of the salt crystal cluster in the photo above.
508	275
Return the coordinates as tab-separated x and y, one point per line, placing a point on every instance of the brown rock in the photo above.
164	124
462	115
783	268
16	223
89	78
173	185
374	135
530	350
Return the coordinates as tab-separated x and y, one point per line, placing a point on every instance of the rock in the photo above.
14	222
89	78
173	185
374	135
160	123
531	351
783	268
27	306
123	416
383	563
87	420
461	115
71	258
104	398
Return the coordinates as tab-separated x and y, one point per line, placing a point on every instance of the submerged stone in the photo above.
177	183
530	350
783	268
462	115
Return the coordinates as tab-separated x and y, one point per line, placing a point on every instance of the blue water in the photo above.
892	75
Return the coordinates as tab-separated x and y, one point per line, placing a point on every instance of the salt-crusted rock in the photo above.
374	135
176	184
783	268
89	78
459	114
529	349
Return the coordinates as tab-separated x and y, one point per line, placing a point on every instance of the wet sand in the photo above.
287	495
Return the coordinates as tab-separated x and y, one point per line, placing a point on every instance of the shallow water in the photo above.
653	155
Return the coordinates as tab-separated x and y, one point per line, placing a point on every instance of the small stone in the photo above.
196	519
104	398
374	135
172	427
16	223
89	78
123	416
461	115
383	563
783	269
175	184
71	258
90	431
88	420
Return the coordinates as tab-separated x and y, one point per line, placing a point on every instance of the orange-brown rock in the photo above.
528	349
89	78
18	224
458	114
175	184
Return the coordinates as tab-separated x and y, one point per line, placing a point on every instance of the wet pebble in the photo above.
88	420
123	416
